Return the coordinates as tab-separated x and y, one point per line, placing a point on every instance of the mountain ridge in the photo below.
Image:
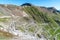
39	23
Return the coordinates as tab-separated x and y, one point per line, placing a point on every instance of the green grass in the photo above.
32	29
1	26
4	19
41	17
58	37
21	28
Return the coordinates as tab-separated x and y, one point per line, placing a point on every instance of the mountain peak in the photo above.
26	4
52	8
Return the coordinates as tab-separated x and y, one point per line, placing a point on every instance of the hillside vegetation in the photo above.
50	31
29	22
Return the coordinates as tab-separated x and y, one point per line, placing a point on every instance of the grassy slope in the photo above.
41	17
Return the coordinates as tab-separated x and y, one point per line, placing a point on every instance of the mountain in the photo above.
54	10
50	9
29	22
26	4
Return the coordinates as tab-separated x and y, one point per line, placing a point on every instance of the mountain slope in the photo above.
51	30
26	21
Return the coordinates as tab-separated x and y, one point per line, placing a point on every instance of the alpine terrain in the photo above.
29	22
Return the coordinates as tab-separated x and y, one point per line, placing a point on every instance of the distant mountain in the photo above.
26	4
54	10
50	10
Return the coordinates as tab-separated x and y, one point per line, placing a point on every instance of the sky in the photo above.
46	3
